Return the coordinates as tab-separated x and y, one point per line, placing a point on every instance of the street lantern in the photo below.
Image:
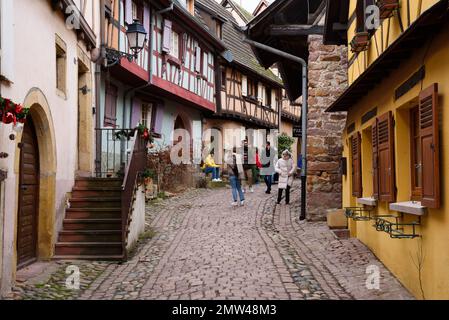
137	37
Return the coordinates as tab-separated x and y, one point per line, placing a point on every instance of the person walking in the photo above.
285	167
267	169
249	161
235	171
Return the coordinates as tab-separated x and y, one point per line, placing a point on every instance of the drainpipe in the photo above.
305	96
98	81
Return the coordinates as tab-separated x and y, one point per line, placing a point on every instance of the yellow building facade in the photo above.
395	141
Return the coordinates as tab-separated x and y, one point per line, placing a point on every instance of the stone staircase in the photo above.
92	228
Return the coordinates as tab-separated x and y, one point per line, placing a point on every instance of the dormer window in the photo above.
219	29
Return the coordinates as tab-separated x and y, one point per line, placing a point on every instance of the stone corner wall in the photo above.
327	80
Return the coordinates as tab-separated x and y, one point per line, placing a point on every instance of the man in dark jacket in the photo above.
268	166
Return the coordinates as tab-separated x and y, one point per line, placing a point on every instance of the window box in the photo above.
387	8
410	207
371	202
360	42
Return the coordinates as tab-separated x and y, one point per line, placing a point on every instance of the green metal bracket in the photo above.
358	213
396	229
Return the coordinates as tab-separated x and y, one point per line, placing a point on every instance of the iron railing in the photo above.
114	152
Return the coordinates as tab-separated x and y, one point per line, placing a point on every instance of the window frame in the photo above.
416	191
61	65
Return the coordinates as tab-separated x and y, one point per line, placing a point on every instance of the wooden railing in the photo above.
133	175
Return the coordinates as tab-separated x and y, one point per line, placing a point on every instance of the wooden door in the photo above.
28	198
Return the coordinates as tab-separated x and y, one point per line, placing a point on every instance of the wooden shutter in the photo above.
430	149
386	163
244	86
110	110
375	161
273	99
166	37
198	59
356	149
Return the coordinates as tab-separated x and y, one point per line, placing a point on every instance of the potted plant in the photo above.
387	7
360	42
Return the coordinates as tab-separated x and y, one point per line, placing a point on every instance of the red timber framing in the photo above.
182	64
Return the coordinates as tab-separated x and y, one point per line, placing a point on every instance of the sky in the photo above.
249	5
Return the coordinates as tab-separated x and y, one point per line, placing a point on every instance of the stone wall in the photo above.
327	80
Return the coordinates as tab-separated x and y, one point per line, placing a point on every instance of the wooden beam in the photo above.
295	30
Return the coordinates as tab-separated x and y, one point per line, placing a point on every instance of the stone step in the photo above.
92	224
88	248
342	233
100	192
107	236
89	257
92	202
93	213
98	182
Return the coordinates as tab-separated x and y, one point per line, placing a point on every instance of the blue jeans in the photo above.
215	172
236	189
268	181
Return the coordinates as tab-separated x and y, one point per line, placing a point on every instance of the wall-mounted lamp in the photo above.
137	37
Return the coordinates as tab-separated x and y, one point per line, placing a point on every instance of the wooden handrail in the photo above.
133	173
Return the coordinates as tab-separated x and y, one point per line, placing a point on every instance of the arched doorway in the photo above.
40	120
28	208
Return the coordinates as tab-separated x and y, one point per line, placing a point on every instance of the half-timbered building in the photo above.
250	96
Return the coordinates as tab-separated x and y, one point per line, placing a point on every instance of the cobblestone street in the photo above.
205	249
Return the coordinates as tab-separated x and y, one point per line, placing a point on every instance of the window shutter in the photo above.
356	141
128	11
375	162
110	109
198	59
385	136
273	99
166	37
244	86
259	93
430	151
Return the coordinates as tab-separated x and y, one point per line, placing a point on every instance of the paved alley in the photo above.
205	249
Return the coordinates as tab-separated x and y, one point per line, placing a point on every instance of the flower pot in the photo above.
387	8
360	42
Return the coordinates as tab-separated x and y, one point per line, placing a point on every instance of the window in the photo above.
252	88
147	110
174	47
269	97
110	112
61	65
137	11
223	79
416	157
219	29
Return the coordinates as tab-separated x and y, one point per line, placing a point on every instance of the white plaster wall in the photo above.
33	65
137	226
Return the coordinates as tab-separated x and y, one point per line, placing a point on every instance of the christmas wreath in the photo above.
11	112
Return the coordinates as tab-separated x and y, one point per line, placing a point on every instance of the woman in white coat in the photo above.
285	167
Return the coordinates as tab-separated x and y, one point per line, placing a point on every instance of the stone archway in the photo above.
43	123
